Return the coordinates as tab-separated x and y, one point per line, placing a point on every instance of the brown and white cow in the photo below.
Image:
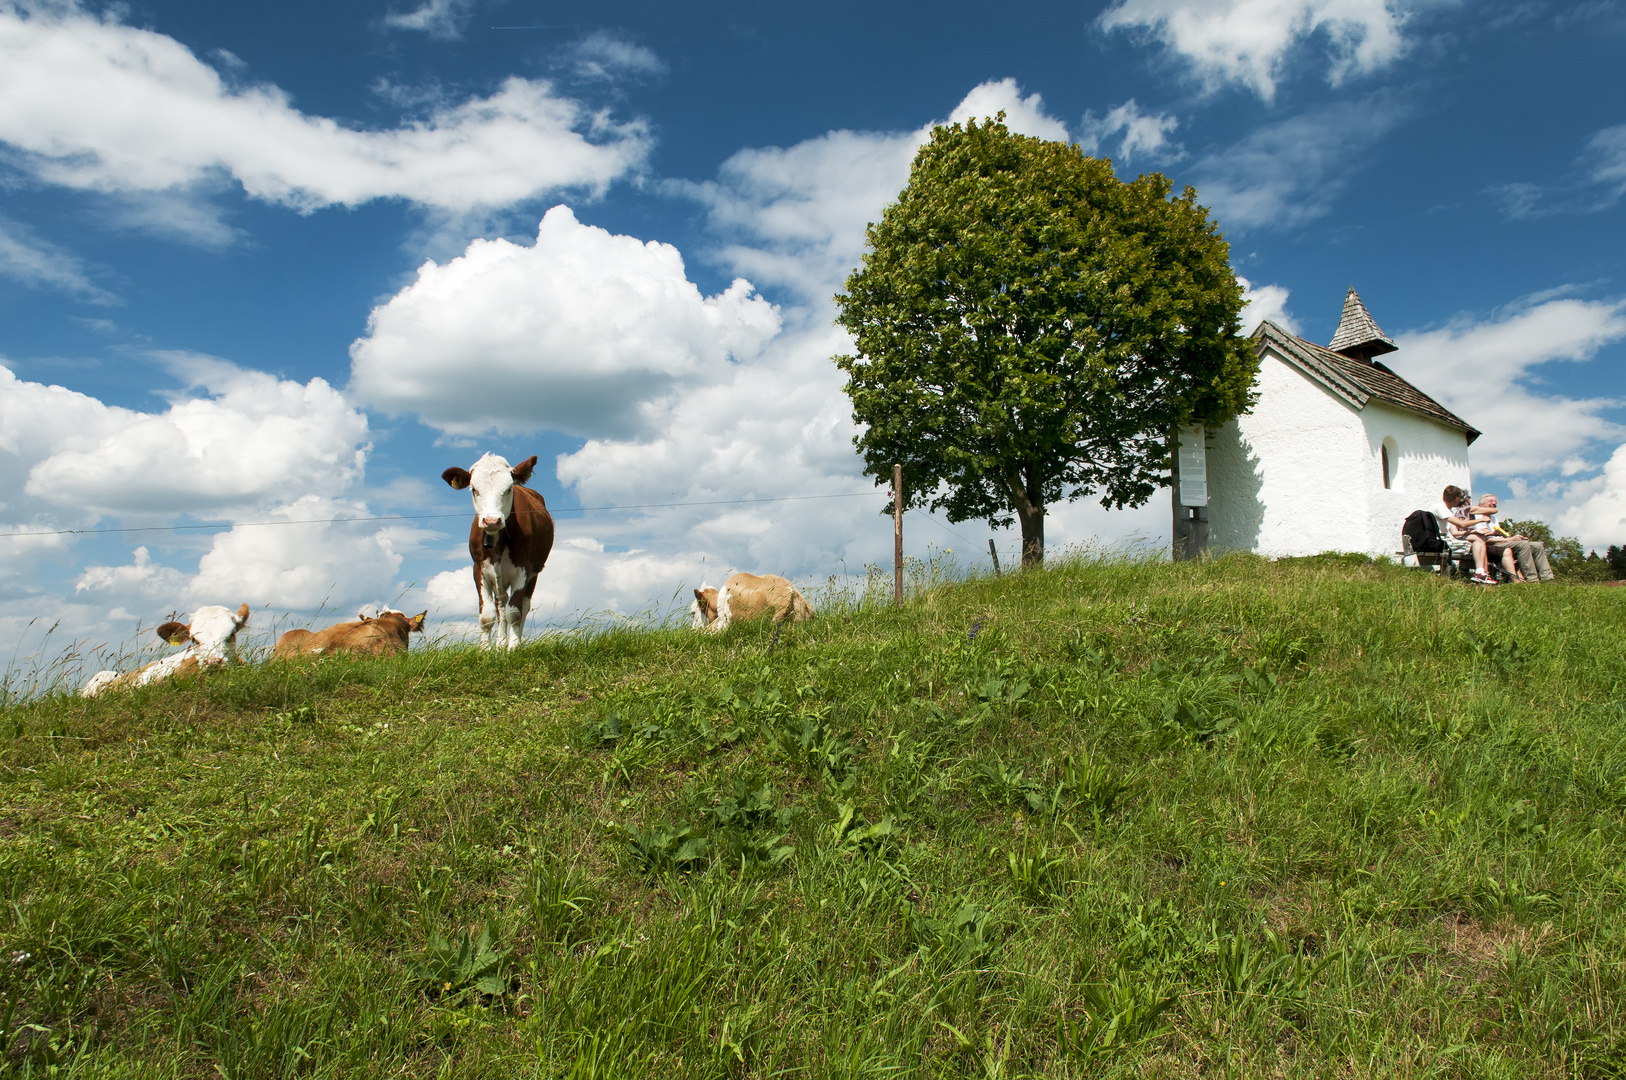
509	541
211	640
748	596
383	635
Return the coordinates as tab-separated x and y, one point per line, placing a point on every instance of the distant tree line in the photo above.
1566	554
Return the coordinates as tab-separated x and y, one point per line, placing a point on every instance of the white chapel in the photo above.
1337	450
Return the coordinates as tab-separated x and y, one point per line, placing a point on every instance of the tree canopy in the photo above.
1029	328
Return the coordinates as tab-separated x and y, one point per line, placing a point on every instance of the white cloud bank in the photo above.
582	332
243	444
300	560
94	104
1250	42
253	439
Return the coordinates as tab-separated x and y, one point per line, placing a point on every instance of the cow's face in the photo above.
704	608
212	633
414	624
491	483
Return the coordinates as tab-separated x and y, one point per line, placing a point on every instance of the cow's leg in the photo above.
519	607
490	607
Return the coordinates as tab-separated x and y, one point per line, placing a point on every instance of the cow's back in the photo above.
370	637
752	596
291	644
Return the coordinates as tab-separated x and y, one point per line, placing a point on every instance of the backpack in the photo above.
1424	530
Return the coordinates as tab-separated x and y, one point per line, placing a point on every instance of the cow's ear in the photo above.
522	471
700	596
416	622
175	633
242	616
458	478
363	618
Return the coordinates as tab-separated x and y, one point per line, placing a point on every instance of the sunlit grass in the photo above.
1119	817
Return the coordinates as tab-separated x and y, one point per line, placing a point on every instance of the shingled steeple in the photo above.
1358	337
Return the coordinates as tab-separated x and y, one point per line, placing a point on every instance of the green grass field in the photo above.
1246	819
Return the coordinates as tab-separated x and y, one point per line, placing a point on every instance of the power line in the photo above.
429	517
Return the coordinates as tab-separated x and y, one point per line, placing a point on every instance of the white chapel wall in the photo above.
1424	458
1273	472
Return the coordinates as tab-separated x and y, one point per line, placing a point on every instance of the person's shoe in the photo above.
1481	579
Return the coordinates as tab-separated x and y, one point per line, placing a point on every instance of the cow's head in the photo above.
491	483
704	608
414	625
212	633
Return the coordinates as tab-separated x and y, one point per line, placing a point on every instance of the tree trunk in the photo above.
1026	497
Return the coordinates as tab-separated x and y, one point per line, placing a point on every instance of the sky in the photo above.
286	263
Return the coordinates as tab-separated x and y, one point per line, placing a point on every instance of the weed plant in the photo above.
1113	818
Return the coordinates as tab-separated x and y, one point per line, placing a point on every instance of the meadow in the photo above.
1320	818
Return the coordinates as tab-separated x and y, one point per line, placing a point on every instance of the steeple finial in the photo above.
1358	336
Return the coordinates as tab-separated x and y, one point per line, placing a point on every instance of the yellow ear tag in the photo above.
179	639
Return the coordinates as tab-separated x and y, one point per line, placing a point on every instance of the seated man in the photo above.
1456	528
1531	554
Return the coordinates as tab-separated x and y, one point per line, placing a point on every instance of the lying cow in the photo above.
509	541
385	635
211	640
748	596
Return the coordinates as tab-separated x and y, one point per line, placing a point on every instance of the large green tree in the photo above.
1029	328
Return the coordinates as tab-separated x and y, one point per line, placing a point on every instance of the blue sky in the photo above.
282	262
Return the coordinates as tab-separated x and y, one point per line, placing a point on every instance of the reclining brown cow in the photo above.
210	640
748	596
385	635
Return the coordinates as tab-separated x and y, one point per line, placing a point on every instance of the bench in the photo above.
1438	561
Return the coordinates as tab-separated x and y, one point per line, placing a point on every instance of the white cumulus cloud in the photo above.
1249	42
1265	302
95	104
582	332
1594	510
253	438
297	557
1488	371
437	18
604	57
1138	133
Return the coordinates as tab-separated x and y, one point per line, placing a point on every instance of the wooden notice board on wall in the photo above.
1192	466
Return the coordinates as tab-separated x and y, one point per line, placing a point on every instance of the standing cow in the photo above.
509	541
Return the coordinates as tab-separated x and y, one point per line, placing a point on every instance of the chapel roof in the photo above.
1358	334
1355	380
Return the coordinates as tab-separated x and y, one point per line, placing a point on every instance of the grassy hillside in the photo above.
1236	819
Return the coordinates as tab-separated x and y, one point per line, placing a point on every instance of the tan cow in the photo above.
748	596
211	640
385	635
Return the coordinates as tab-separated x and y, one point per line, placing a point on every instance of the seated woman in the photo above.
1457	529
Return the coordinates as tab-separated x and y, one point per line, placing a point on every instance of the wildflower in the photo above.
974	628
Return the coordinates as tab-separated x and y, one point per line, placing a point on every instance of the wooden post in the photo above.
897	535
994	553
